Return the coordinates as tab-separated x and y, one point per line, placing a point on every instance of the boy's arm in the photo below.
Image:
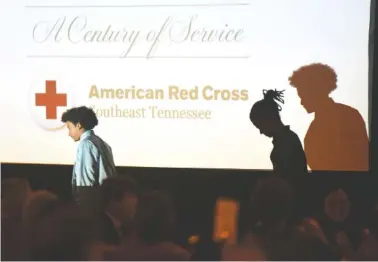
86	165
86	174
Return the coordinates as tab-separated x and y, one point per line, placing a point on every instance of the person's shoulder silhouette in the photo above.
287	155
337	139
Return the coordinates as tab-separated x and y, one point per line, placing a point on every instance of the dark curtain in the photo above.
373	86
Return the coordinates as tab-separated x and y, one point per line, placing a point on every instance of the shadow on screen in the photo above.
337	139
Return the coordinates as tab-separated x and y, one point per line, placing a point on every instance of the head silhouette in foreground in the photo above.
79	120
337	138
287	156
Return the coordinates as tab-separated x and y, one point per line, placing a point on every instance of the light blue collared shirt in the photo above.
94	161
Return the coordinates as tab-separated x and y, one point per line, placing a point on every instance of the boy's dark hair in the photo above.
83	115
115	188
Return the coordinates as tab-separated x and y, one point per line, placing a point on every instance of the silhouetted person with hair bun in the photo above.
337	139
94	157
288	157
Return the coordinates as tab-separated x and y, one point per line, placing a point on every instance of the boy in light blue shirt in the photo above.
94	157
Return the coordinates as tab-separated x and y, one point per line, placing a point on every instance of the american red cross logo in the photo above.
51	100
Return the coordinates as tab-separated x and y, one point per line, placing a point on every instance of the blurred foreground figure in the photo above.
64	234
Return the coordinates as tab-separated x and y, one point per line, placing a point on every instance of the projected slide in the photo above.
173	82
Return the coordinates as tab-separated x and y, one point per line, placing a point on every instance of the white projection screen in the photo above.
172	82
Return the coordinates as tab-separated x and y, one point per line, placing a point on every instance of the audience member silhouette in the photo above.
337	139
35	204
292	245
152	236
64	234
118	205
368	250
288	157
14	195
272	203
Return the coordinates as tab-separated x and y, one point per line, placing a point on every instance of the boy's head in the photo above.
78	120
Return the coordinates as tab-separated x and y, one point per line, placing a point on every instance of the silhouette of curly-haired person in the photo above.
288	158
337	139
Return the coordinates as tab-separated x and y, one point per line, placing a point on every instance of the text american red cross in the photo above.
51	100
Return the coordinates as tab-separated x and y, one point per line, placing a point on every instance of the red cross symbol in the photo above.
51	100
